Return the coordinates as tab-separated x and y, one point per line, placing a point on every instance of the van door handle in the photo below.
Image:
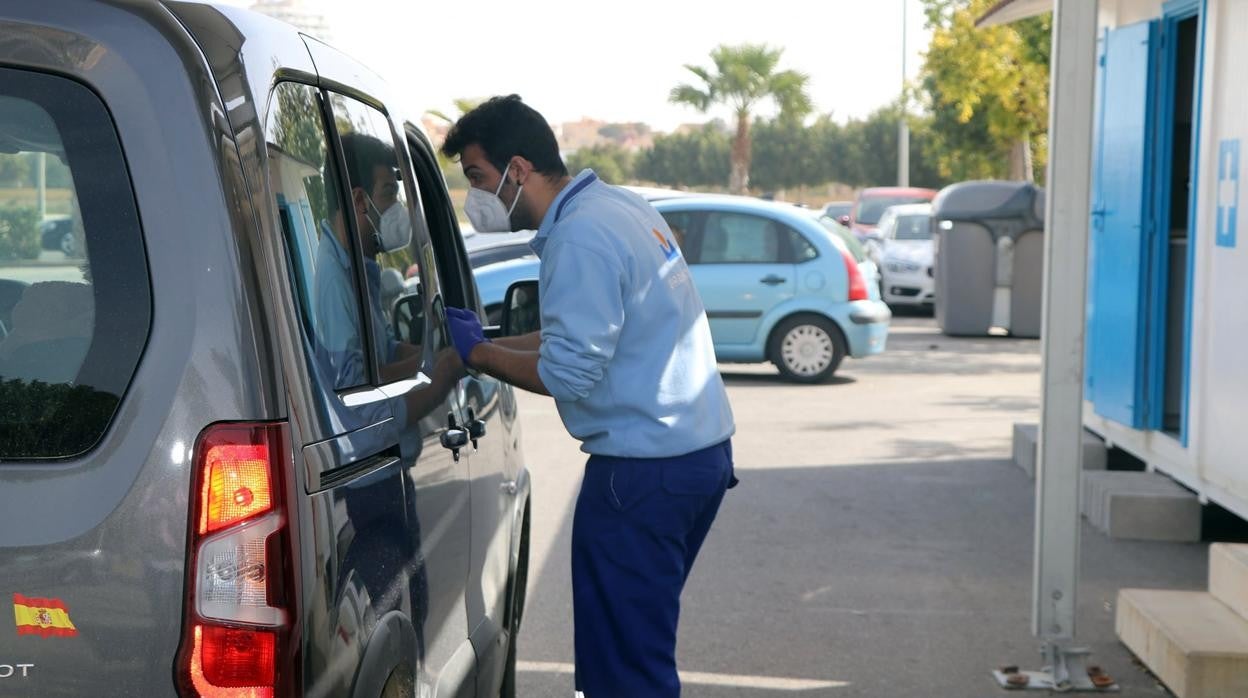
476	428
772	280
454	438
508	487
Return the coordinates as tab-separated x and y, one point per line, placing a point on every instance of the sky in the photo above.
618	61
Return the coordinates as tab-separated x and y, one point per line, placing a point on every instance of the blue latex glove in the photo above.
466	331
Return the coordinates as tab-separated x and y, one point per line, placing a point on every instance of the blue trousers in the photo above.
638	526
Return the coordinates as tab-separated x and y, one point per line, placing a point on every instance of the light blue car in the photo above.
778	284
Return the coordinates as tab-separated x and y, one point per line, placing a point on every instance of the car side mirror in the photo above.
409	319
843	220
521	309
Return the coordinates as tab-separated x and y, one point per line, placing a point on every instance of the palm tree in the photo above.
743	77
463	105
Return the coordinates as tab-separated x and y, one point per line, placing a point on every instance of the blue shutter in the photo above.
1120	223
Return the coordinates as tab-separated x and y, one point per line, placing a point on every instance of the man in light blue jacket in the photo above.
625	350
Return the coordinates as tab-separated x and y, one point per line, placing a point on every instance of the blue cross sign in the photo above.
1228	191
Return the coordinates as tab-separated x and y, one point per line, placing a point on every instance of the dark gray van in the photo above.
238	455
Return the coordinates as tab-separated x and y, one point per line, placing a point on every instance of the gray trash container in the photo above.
989	257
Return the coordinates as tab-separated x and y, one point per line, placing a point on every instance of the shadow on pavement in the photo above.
742	379
903	579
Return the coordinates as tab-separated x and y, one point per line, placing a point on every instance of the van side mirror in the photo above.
521	311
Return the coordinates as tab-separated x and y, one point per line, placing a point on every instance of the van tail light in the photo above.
238	628
857	284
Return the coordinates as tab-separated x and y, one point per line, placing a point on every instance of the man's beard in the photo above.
520	219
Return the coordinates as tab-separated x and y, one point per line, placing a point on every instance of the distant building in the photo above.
587	133
304	15
574	135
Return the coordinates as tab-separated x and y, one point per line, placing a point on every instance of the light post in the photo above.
903	128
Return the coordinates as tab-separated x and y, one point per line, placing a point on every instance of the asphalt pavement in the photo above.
880	542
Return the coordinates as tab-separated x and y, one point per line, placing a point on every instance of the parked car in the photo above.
908	257
839	211
492	248
57	233
778	285
227	467
872	203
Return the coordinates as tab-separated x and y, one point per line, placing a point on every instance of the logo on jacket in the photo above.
668	247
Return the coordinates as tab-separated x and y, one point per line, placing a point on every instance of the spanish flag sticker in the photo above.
43	617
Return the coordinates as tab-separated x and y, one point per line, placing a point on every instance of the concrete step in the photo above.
1026	449
1194	643
1156	516
1228	576
1140	506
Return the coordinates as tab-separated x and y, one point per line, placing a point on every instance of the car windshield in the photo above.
838	210
841	232
913	228
870	209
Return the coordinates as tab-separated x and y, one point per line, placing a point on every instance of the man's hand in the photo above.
466	332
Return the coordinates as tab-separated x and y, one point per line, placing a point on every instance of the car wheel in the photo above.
67	243
807	348
398	686
519	588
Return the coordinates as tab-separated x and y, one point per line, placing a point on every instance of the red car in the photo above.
872	203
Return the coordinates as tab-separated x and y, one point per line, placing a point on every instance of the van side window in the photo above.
383	224
75	301
316	226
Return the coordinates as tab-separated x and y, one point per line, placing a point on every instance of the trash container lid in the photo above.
979	200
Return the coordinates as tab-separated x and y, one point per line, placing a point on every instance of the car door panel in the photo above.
742	270
492	475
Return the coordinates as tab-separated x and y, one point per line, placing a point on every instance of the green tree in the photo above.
608	160
693	159
300	133
870	150
742	78
987	91
19	232
15	170
451	172
788	154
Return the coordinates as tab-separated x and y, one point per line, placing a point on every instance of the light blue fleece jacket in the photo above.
626	348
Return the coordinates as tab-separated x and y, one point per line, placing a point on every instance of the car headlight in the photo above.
902	267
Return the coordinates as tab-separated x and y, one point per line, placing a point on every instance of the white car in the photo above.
907	257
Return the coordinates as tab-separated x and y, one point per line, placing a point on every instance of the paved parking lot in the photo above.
880	543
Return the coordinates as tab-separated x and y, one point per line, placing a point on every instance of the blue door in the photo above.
1120	226
742	268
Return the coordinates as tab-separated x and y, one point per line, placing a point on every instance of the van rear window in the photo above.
75	300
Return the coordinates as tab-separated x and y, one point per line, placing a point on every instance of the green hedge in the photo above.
19	232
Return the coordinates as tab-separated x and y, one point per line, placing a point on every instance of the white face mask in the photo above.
394	231
487	212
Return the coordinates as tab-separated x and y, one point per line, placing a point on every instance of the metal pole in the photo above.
903	128
1069	180
42	185
1059	468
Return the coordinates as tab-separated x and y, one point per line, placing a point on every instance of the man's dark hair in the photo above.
363	153
505	127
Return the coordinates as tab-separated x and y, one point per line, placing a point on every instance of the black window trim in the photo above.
373	371
425	164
